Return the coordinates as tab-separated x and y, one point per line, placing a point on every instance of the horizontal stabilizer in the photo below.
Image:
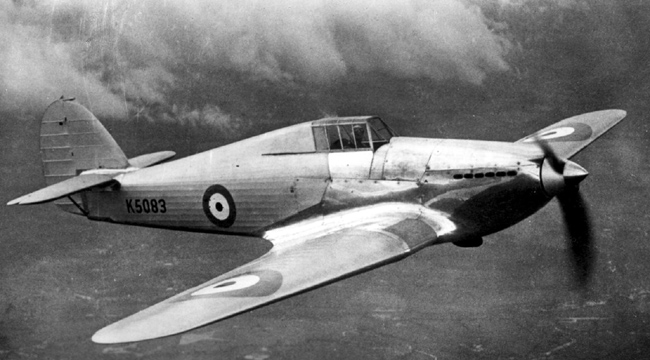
144	161
63	188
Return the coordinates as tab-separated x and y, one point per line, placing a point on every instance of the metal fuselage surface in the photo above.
481	186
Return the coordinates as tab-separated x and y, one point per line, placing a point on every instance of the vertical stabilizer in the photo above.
72	141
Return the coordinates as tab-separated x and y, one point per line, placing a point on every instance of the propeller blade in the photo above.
578	229
556	163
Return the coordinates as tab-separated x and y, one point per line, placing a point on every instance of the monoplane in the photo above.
336	197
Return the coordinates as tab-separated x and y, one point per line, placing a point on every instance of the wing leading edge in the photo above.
305	256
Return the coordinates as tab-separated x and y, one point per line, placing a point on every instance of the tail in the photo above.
73	141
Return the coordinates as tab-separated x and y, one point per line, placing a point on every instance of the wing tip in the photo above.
124	332
621	113
100	338
611	117
616	113
110	336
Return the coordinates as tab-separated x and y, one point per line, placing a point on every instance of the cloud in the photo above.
323	41
35	70
208	115
434	39
118	55
53	49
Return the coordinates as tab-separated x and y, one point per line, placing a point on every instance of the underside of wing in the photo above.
569	136
304	256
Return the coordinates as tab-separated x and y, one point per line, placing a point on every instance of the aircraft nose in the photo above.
554	182
574	173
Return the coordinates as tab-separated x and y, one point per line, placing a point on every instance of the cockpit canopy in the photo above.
325	135
350	133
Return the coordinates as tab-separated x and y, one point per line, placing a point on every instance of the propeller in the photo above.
561	178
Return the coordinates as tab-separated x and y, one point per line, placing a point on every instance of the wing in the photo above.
571	135
305	255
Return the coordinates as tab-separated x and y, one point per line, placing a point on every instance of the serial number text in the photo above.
147	206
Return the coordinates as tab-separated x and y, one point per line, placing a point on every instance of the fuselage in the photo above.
257	184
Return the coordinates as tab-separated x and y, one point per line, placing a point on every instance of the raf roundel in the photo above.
236	283
556	133
256	283
569	132
219	206
552	134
